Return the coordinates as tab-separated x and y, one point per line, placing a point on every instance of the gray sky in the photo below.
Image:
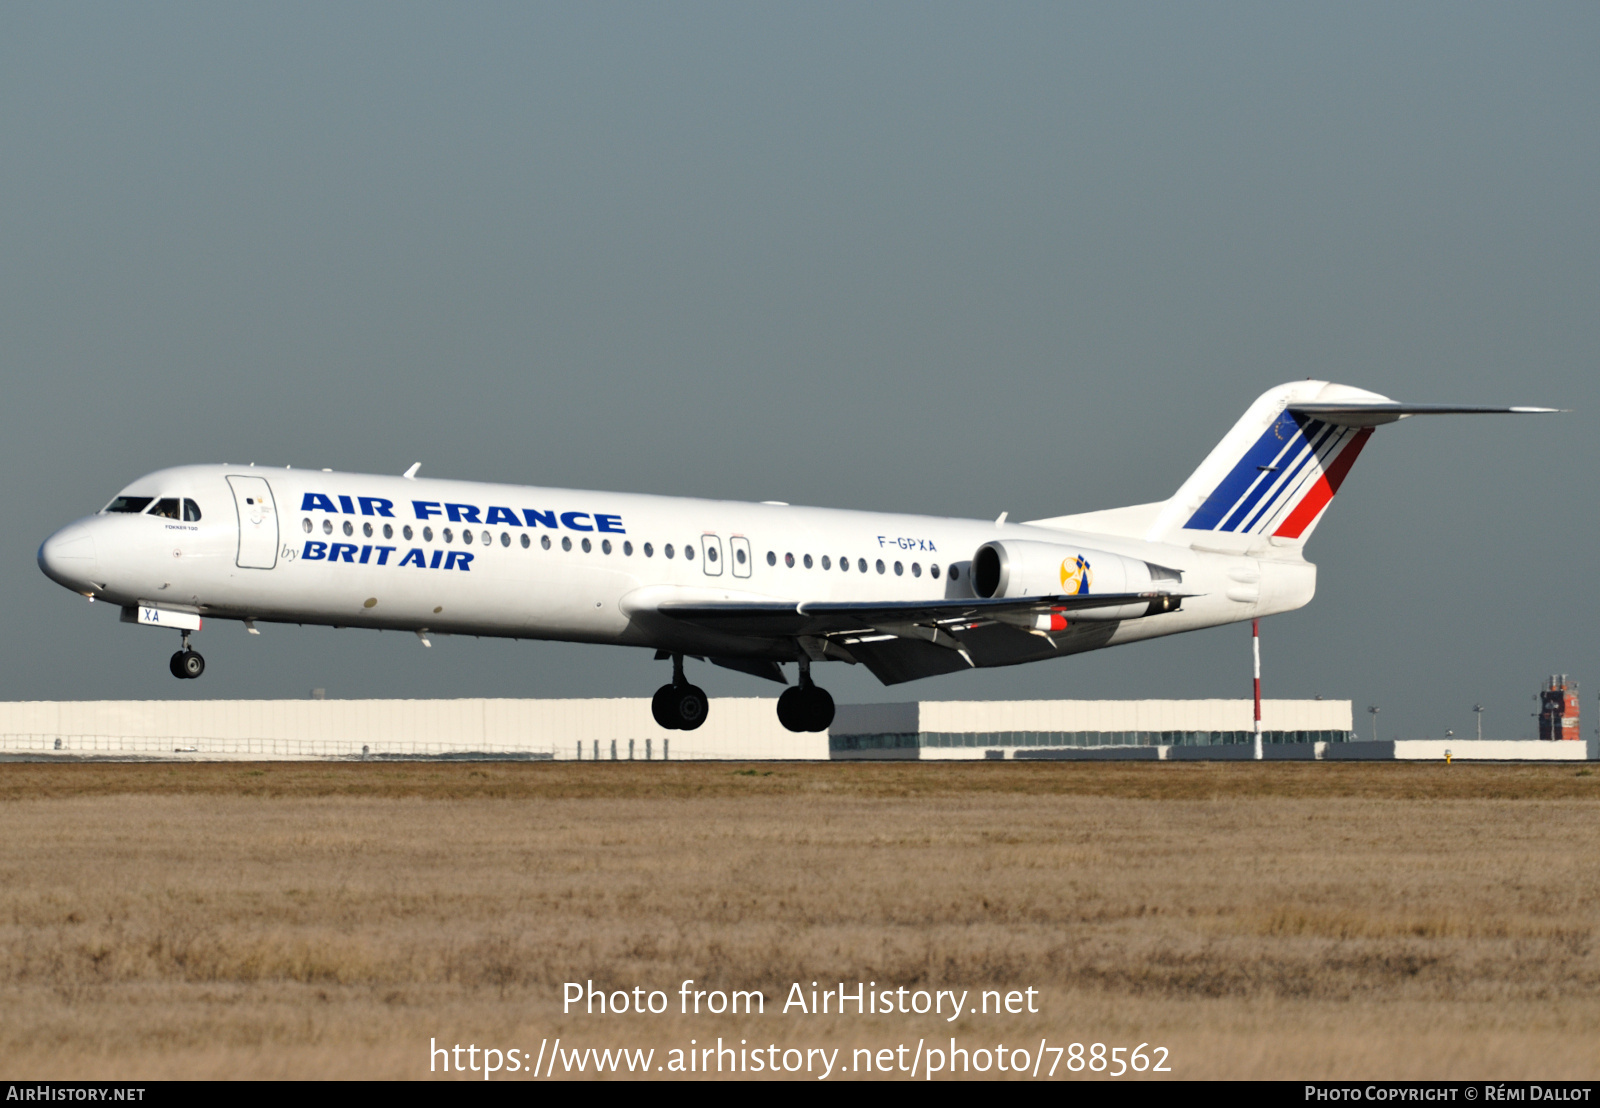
945	259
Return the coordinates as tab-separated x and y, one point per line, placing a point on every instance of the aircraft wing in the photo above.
904	640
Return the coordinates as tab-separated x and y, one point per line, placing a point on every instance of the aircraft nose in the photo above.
68	557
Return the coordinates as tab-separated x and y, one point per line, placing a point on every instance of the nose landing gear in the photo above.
806	707
186	663
679	706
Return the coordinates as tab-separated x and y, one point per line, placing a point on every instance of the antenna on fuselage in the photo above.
411	474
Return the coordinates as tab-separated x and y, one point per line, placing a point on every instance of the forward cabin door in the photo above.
258	522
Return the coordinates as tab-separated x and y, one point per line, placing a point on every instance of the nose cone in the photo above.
68	557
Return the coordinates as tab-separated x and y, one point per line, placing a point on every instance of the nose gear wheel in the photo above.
187	664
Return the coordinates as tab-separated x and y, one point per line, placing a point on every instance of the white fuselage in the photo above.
358	550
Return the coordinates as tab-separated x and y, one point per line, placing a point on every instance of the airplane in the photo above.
750	587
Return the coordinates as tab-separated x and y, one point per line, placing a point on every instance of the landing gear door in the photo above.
711	555
739	551
258	522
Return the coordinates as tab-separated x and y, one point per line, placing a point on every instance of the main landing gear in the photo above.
679	706
187	663
805	707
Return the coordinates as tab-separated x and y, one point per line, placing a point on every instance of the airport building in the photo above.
934	729
623	728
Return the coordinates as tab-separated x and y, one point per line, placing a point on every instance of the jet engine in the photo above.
1021	568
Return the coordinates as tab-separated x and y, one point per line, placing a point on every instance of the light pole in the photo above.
1373	708
1477	710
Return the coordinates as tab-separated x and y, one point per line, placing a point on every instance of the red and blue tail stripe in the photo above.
1284	481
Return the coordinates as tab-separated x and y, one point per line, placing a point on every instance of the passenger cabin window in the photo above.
131	505
191	512
166	508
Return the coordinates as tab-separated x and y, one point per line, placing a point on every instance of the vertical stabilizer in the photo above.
1273	475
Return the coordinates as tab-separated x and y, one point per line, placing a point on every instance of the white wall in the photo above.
735	727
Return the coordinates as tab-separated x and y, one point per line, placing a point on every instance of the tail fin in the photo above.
1273	475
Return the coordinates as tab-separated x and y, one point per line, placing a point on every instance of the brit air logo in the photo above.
361	555
1284	480
1076	576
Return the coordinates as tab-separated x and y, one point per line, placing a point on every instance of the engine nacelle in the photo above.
1021	568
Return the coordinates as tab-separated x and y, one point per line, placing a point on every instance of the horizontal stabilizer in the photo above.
1376	414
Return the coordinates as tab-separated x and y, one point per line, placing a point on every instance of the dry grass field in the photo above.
1277	920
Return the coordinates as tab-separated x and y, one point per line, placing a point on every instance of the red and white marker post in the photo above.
1255	646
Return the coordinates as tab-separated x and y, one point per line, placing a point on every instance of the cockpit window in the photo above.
191	512
167	508
132	505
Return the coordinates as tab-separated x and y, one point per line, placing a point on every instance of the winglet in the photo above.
411	474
